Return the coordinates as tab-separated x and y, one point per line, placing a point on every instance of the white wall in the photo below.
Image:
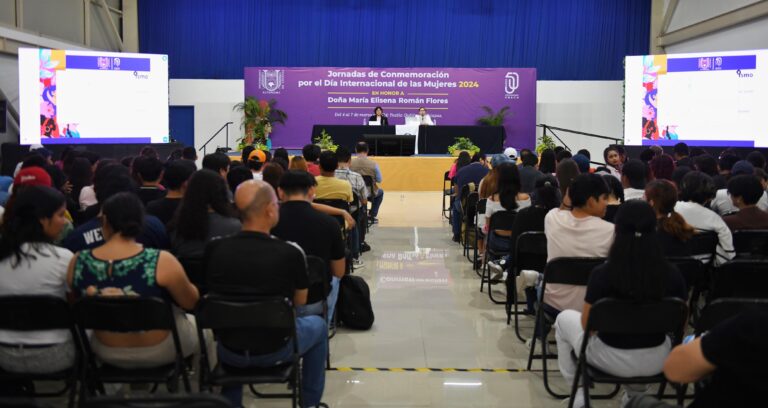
213	101
752	35
586	106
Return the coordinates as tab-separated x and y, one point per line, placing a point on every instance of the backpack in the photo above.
353	307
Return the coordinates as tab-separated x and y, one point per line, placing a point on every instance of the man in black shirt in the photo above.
280	270
149	171
175	179
316	233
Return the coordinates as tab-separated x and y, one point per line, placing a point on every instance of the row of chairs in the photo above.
250	317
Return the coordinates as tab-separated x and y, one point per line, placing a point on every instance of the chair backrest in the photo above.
502	221
691	268
530	251
445	177
123	313
239	321
193	267
703	243
745	278
319	274
470	207
629	317
723	309
202	400
368	180
570	270
751	243
27	313
340	204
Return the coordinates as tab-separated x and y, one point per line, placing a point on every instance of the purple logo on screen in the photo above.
103	62
116	63
705	64
511	83
271	80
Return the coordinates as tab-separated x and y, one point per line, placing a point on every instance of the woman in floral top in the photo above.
122	267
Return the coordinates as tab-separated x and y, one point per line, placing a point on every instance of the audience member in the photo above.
722	203
311	155
528	172
81	176
585	153
189	153
696	192
32	265
328	186
726	162
470	174
678	174
255	162
613	161
562	155
149	171
657	150
298	163
272	172
567	170
283	163
579	232
662	166
511	153
707	164
175	179
218	163
757	159
464	159
149	151
173	156
237	175
680	154
282	272
583	163
729	361
366	167
123	267
316	233
647	155
615	196
745	191
359	188
281	153
634	175
245	154
508	198
108	181
673	231
636	270
547	161
203	214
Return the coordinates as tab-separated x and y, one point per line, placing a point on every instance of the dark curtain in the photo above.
563	39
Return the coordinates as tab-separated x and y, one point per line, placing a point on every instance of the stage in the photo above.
413	173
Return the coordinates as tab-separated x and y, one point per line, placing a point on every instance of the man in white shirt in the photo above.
696	191
722	203
580	232
424	118
634	175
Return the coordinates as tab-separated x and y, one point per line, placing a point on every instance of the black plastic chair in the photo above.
623	317
202	400
742	278
447	189
751	244
127	314
193	267
703	246
319	284
530	253
469	212
500	221
238	322
568	271
342	205
723	309
30	313
696	277
479	212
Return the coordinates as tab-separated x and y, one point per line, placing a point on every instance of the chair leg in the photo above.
575	385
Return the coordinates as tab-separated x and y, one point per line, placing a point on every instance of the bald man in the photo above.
254	262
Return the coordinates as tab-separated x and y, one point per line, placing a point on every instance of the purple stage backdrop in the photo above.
338	96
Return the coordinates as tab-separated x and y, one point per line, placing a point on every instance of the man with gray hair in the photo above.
254	262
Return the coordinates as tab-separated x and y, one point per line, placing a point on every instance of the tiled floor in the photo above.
429	314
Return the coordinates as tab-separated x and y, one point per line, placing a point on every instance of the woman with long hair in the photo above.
464	159
635	270
121	267
81	175
298	163
204	213
31	265
508	197
662	167
615	197
674	232
567	170
547	161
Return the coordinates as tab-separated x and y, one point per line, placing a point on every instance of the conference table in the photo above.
430	139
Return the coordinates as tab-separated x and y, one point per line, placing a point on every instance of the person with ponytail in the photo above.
508	197
673	231
635	270
123	267
31	265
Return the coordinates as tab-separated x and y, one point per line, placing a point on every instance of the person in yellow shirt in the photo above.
328	186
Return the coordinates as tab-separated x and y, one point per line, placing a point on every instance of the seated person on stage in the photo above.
122	266
378	116
635	270
634	175
280	270
311	153
175	178
363	165
472	173
32	265
579	232
316	233
149	171
424	118
110	180
745	191
203	215
731	358
696	191
722	203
